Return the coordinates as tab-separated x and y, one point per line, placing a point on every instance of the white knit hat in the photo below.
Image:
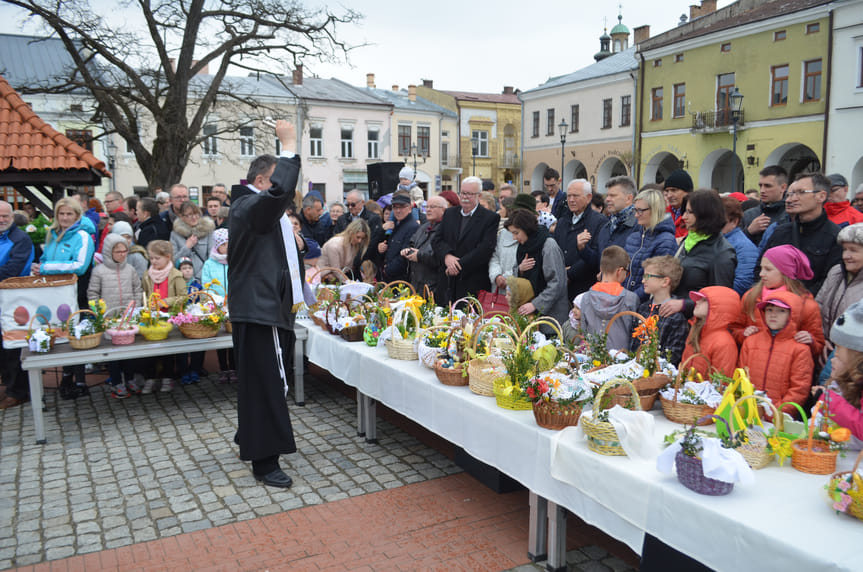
122	227
847	330
851	233
406	173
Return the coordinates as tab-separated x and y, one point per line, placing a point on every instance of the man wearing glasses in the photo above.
113	202
551	185
809	229
355	202
179	195
838	207
464	244
857	202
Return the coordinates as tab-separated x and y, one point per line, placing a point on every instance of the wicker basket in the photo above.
387	293
450	375
86	342
855	507
52	340
122	337
428	355
685	413
813	456
198	331
156	333
755	449
230	329
404	349
482	373
513	403
690	472
647	388
601	436
552	415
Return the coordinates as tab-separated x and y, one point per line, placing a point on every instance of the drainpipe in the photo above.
637	135
518	178
827	94
633	120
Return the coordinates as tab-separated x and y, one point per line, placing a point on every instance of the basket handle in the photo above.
44	319
756	398
428	294
611	384
681	372
332	269
472	304
546	321
494	327
708	418
69	319
853	470
812	423
624	313
394	283
780	424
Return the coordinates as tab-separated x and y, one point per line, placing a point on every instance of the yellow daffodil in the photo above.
596	363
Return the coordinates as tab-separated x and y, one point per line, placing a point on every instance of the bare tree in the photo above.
148	75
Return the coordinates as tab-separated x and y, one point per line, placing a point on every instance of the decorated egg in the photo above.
45	314
63	311
21	316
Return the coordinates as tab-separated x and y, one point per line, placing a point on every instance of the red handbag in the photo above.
492	302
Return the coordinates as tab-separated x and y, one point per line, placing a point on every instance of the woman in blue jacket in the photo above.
69	250
652	236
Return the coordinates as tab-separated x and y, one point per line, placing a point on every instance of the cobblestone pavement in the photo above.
122	472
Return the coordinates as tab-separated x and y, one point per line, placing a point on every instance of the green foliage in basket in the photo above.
98	307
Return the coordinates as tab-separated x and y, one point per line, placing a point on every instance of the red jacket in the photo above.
777	363
808	319
843	213
715	340
680	229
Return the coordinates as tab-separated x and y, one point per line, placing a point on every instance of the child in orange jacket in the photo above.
778	364
716	308
782	269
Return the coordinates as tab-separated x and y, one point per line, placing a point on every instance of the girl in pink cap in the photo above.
782	270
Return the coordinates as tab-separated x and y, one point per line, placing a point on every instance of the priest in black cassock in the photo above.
267	281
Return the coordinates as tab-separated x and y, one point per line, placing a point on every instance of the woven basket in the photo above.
86	342
428	355
855	507
198	331
53	337
229	328
813	456
155	333
482	373
517	403
690	473
387	293
647	388
46	281
685	413
450	375
601	436
352	333
551	415
401	349
122	337
755	449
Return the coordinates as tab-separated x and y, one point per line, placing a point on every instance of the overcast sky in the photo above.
466	45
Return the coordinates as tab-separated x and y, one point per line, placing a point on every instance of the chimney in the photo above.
428	83
642	33
708	7
694	11
412	92
395	87
507	90
370	80
297	76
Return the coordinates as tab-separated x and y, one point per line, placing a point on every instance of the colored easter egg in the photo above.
44	312
63	311
21	316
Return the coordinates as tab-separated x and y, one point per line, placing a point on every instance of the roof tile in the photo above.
29	144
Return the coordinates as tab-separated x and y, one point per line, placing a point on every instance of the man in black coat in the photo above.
355	202
393	265
150	225
267	280
809	230
620	194
576	233
465	243
425	268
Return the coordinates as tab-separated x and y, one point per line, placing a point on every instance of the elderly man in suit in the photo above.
464	244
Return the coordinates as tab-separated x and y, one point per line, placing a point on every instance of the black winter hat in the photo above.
679	179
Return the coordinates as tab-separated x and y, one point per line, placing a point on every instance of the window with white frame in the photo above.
374	143
444	153
247	141
481	138
316	141
347	141
210	146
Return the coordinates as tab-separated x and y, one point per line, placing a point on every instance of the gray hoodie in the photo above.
597	310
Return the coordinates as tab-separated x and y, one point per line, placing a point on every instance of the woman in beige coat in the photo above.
346	248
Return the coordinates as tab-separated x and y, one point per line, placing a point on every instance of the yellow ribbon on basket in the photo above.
744	415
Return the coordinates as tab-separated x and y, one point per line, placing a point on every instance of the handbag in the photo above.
493	302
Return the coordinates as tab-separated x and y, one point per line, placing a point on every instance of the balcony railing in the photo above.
720	120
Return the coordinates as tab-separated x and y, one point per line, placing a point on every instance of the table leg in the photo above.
537	540
299	388
371	420
361	415
556	538
35	378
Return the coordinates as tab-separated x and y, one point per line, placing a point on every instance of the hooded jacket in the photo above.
70	254
16	253
711	262
715	341
807	319
598	307
115	283
642	244
777	364
747	256
503	259
842	213
201	251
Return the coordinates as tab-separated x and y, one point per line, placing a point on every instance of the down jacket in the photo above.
777	363
70	254
201	251
715	341
642	244
837	293
806	319
115	283
747	257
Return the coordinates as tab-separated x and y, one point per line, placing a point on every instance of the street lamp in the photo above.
561	127
474	149
517	168
736	105
413	153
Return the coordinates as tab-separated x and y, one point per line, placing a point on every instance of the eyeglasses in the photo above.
648	276
832	189
640	211
468	194
191	215
124	251
350	204
801	192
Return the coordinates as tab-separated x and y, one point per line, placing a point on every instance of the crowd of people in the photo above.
769	280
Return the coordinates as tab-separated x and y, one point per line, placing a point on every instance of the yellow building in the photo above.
489	134
774	54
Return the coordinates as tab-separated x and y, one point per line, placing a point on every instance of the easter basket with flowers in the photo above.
200	316
845	489
523	362
42	338
152	322
557	399
487	367
87	333
817	453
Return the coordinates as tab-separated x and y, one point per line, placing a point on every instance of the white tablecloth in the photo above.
782	522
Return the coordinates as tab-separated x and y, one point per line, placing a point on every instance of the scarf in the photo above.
533	248
693	238
159	276
619	218
292	258
220	258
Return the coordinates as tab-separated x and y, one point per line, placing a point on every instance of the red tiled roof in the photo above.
29	144
485	97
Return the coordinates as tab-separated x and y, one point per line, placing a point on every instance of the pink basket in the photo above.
123	337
